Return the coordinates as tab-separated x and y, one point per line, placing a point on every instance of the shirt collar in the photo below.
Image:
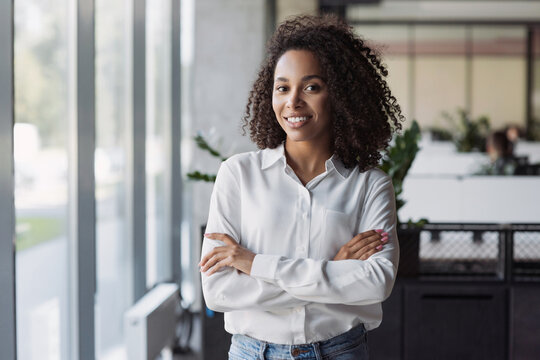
336	163
271	156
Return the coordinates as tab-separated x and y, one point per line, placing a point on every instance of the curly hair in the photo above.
365	114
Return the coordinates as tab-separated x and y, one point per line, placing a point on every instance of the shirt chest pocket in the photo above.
338	230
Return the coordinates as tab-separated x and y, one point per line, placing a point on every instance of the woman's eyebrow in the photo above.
305	78
310	77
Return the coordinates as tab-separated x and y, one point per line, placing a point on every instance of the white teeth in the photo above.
297	119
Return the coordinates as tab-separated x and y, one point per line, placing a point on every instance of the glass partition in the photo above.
43	105
158	147
114	88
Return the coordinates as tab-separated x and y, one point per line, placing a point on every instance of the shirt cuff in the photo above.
264	267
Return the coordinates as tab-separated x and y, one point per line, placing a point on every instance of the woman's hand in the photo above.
363	245
232	254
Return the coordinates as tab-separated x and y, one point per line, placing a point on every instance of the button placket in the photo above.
299	314
307	222
304	200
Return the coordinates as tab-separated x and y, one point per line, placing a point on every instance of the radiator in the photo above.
150	324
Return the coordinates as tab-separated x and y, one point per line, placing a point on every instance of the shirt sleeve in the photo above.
351	282
229	289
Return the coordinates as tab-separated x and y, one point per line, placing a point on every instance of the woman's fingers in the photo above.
212	258
231	254
363	245
217	266
363	236
367	240
368	250
216	236
365	252
366	255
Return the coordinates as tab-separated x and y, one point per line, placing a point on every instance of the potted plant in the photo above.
203	145
468	134
396	163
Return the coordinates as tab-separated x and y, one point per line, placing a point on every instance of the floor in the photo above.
195	343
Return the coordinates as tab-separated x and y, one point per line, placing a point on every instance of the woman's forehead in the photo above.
297	64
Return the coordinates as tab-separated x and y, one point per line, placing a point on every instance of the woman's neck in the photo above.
307	158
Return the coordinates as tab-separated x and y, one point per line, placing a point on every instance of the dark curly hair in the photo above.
365	113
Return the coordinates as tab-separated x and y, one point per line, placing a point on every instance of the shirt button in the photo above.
304	216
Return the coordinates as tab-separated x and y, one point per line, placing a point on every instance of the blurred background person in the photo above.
501	154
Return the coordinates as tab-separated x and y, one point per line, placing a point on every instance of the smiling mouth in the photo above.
297	119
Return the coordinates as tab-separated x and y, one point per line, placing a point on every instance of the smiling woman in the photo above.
300	247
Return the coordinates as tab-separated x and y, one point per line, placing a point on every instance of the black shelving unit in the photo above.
465	306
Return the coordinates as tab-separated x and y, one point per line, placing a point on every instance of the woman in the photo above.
300	247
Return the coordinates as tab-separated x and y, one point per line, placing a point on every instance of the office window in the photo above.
44	104
114	266
158	147
439	72
499	72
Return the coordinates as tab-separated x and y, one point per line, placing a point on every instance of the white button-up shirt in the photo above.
296	294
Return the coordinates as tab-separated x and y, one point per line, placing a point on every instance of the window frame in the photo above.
8	341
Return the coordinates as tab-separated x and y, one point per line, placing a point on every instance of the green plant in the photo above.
440	134
203	145
398	160
468	134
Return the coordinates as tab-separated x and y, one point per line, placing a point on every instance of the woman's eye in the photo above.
312	87
281	88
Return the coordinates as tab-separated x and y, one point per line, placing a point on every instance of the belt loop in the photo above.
317	350
262	349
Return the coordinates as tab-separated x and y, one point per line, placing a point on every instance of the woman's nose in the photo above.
294	99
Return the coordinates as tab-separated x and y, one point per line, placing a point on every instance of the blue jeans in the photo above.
351	345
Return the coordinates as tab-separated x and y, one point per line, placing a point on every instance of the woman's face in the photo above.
300	98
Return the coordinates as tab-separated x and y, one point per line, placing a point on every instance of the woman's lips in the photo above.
297	121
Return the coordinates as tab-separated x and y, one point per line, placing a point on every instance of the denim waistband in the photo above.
323	348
